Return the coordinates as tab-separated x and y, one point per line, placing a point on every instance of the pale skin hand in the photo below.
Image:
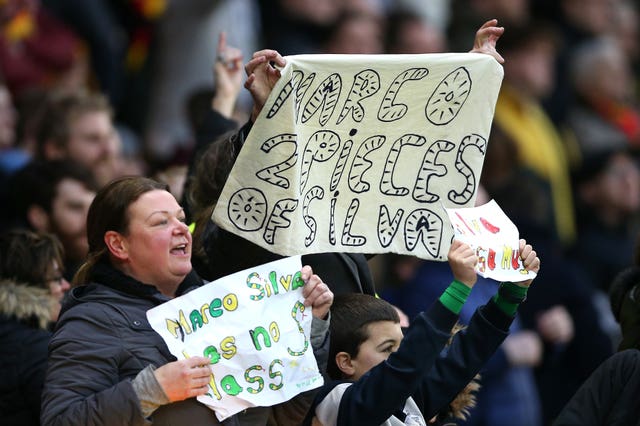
555	325
530	261
227	76
486	39
262	77
316	293
186	378
462	261
523	348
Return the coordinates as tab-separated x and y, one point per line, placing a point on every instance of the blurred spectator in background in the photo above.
173	172
607	187
605	113
212	113
298	26
79	127
54	197
37	50
11	158
470	14
578	21
99	24
186	48
434	12
35	260
626	29
31	288
526	147
8	121
407	32
356	31
525	143
30	107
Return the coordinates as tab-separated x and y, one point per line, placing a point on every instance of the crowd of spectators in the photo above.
92	91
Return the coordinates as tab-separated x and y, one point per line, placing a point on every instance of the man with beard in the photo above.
79	126
54	197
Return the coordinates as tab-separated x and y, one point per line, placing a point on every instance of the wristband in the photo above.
455	296
511	296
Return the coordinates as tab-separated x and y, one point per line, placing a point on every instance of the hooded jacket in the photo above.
24	315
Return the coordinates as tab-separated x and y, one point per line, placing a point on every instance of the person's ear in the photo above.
52	151
38	218
117	244
345	364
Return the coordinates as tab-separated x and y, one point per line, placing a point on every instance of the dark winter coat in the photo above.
102	341
610	395
24	315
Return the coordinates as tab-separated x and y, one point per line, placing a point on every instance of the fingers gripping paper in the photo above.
363	153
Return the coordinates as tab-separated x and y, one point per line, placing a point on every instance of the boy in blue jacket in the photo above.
381	381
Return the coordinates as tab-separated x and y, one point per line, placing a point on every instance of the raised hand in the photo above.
486	38
227	77
316	293
463	260
261	77
530	261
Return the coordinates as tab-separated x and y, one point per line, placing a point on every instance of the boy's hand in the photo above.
316	293
486	38
530	261
463	260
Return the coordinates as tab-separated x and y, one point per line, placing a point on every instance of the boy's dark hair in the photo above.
350	315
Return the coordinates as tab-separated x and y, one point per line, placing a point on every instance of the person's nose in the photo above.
181	227
65	285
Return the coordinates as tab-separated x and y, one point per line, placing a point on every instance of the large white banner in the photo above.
362	153
253	327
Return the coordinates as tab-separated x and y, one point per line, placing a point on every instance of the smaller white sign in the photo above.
489	231
254	328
